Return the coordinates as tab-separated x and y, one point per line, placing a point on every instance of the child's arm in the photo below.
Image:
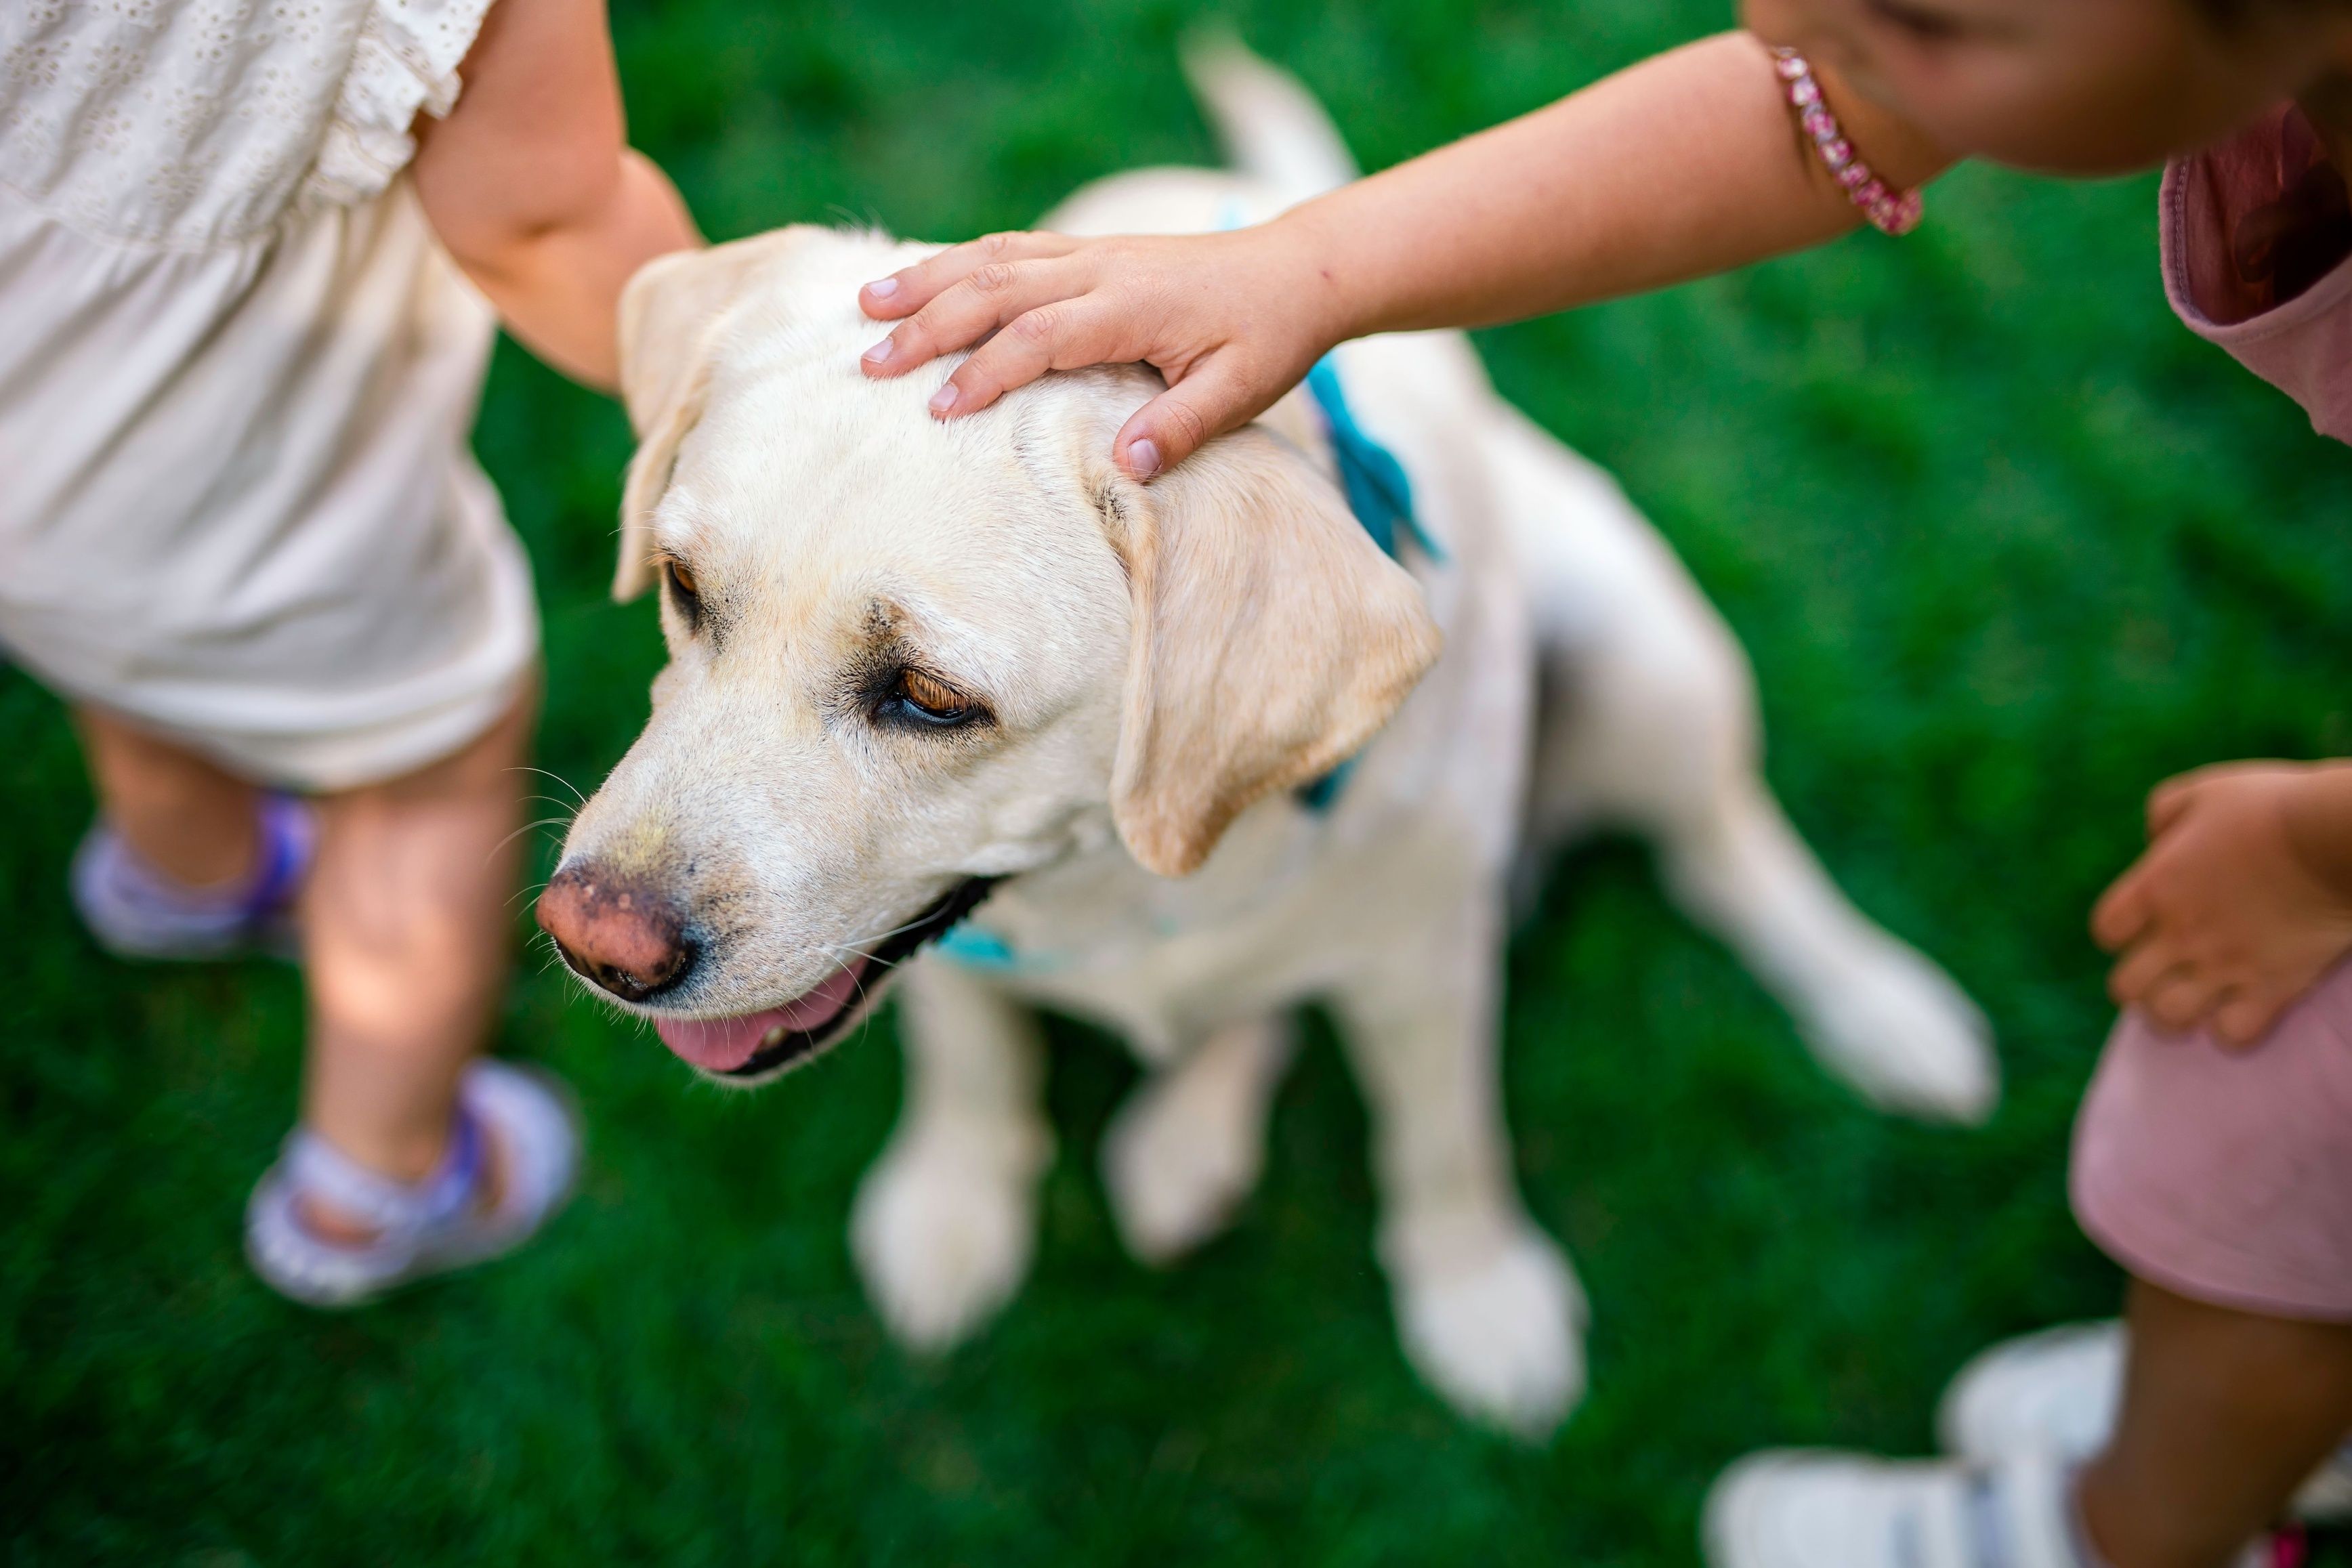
1685	165
531	184
2243	900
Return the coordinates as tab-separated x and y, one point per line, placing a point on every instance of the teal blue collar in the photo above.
1380	496
1379	493
975	948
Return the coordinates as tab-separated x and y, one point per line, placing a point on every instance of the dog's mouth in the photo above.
752	1045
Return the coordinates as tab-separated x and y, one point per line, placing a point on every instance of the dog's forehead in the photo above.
814	500
793	433
809	465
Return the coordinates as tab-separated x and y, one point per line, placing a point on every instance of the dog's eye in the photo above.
929	700
683	592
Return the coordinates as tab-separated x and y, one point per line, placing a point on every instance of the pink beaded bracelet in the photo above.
1890	212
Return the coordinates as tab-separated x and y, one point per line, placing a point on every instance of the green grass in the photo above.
2007	546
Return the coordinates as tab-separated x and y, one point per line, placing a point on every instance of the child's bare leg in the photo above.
183	814
405	938
2224	1415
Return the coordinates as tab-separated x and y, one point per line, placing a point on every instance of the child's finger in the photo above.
1213	399
910	288
990	297
1060	336
2180	1000
2242	1018
2137	974
2121	914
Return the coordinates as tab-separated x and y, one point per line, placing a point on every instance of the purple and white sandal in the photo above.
135	911
522	1118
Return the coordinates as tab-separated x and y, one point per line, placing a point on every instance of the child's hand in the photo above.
2241	901
1232	321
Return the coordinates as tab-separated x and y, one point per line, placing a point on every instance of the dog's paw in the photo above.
1188	1147
1897	1029
1502	1340
942	1231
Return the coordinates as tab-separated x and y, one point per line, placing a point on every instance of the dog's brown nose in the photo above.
615	930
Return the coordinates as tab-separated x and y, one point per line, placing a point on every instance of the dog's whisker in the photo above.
528	827
859	944
560	778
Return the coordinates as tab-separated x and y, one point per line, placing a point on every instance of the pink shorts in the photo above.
2226	1177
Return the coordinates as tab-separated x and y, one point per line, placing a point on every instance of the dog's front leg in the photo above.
1488	1308
946	1219
1187	1145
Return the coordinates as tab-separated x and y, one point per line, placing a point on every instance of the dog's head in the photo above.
909	658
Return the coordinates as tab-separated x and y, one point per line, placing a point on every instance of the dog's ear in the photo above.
1272	638
669	314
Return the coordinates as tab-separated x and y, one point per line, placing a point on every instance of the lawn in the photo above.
2007	547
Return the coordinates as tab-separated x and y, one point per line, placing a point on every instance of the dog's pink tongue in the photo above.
722	1045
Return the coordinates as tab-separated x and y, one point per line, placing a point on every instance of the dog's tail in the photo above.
1271	128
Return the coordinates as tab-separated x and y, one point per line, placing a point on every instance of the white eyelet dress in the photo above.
236	378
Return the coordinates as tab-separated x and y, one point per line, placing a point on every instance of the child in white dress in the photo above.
243	536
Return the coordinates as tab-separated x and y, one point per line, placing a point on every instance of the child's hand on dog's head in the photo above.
2242	899
1233	320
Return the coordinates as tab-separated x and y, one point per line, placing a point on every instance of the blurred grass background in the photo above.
2007	547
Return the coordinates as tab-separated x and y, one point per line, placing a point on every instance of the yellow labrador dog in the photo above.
1176	758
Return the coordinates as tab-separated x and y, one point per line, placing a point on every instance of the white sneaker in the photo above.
2057	1392
1815	1509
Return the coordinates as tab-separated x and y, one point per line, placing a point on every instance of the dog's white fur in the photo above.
1162	664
